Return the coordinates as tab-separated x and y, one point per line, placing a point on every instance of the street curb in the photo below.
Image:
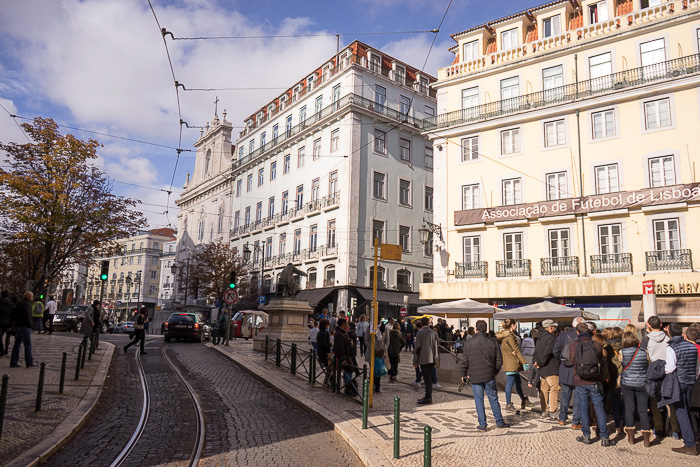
73	422
369	454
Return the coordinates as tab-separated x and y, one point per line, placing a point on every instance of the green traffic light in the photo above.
103	277
232	285
41	296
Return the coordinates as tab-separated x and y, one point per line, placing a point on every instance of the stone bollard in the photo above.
40	389
63	373
3	399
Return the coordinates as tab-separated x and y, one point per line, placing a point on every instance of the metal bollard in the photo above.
312	373
294	359
63	373
40	389
365	402
397	434
77	364
267	345
427	441
3	399
278	353
85	351
92	349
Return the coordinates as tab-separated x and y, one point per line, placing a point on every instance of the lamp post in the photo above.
246	257
128	294
173	269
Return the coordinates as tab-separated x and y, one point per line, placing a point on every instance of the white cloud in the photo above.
414	51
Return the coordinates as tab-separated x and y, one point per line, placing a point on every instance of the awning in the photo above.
313	296
544	310
392	298
465	308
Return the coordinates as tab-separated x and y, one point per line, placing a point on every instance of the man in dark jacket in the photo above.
342	347
6	307
548	368
682	359
566	375
590	388
22	319
481	362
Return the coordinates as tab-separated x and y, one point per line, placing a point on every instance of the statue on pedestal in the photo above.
288	285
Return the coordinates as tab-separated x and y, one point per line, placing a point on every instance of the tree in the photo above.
58	209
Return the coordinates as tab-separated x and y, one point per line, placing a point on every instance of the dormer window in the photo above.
471	51
551	26
283	100
270	109
598	12
375	63
509	39
310	82
400	74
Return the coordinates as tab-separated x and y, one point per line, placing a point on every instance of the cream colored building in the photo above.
566	144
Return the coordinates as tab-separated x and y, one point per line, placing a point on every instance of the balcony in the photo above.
613	262
664	260
513	268
635	77
330	282
471	269
559	265
404	287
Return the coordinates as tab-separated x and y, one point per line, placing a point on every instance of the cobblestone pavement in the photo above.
452	416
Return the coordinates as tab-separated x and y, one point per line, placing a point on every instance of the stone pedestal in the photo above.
288	322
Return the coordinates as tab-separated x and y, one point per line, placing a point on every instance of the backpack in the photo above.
587	359
566	353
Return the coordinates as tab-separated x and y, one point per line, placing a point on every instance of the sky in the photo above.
102	66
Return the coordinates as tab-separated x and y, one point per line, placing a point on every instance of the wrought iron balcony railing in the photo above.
612	262
669	259
559	265
403	287
513	268
471	269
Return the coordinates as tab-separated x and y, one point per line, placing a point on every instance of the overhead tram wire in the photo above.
275	36
14	119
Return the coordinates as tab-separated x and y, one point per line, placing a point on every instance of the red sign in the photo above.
648	287
230	297
403	312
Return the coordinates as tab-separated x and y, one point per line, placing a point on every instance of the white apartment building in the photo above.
166	287
333	162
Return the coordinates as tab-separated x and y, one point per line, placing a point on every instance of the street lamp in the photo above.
128	294
425	231
174	268
246	257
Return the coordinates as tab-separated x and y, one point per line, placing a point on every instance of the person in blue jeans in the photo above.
566	375
22	318
481	362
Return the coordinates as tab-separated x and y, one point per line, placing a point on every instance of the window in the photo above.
400	74
666	235
510	87
273	170
470	97
258	211
220	221
428	199
648	3
610	239
405	238
335	139
315	189
300	157
471	51
275	132
207	162
336	95
154	274
247	216
241	152
428	162
380	141
380	277
333	182
311	278
302	114
404	192
288	125
606	179
239	187
330	243
285	168
470	149
509	39
598	12
551	26
404	106
378	231
556	186
558	243
657	114
554	134
285	202
249	184
375	63
405	149
513	246
600	65
428	111
200	237
138	260
261	177
470	196
318	106
300	196
329	276
268	247
317	149
603	124
512	193
297	242
271	207
252	146
662	171
652	52
379	95
378	186
151	289
552	77
237	220
510	141
471	249
428	247
282	244
263	139
313	237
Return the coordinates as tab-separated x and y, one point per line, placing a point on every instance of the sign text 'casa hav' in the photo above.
582	205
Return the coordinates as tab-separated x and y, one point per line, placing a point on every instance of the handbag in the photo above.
379	367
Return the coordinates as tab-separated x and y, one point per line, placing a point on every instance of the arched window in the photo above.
267	283
428	278
329	276
381	282
200	231
220	224
403	280
207	162
311	278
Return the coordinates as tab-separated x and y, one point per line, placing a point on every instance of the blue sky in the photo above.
101	65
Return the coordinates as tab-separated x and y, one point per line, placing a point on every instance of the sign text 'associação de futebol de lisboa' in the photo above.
581	205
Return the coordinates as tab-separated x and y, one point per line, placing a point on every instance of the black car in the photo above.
70	318
187	326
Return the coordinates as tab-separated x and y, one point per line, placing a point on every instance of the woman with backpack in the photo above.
513	363
634	373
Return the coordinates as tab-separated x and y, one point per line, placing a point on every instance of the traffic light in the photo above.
232	280
104	272
41	296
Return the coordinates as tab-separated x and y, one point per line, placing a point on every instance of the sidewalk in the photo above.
452	417
29	436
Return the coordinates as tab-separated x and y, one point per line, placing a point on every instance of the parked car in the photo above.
70	318
124	327
187	326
